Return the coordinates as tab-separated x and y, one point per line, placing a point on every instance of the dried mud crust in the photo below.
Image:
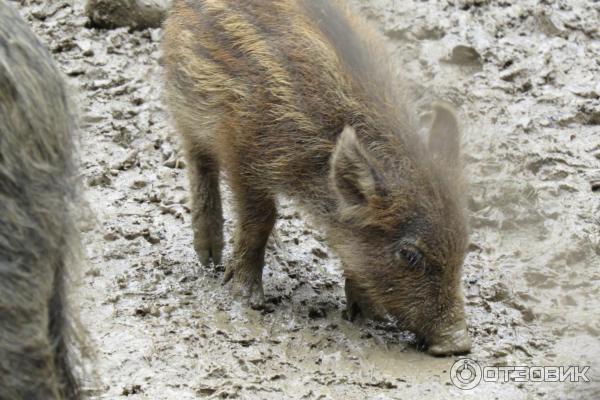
525	76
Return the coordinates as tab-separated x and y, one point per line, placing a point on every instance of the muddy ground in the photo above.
526	76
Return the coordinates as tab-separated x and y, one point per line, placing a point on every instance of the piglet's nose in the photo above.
454	340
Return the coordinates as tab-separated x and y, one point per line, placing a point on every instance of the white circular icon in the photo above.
465	373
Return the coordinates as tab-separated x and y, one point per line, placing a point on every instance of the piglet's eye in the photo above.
412	257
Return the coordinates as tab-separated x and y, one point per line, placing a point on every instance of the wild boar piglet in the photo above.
298	98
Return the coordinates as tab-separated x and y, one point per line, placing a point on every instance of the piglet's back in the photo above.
303	67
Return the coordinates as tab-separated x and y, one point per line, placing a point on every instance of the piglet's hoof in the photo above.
209	250
246	287
357	304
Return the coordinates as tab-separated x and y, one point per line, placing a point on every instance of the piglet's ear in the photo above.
353	171
444	136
